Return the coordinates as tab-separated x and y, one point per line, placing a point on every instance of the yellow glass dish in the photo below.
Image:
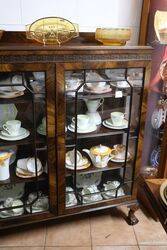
52	30
114	37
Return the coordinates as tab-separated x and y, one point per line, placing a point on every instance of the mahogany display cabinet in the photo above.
53	172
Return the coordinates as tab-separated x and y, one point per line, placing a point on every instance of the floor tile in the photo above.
67	248
71	233
111	230
153	247
22	248
29	236
115	248
148	231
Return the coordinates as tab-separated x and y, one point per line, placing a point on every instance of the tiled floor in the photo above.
98	232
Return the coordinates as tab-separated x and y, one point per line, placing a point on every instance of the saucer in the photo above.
115	159
41	130
5	136
11	94
90	129
108	124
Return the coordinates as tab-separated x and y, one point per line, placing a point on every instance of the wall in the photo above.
89	14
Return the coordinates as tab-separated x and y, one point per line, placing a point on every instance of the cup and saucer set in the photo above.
84	124
97	87
116	121
11	203
26	167
12	91
71	199
81	161
72	84
120	84
111	189
42	127
119	152
40	205
12	131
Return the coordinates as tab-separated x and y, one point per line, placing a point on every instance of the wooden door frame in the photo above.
144	22
60	133
49	68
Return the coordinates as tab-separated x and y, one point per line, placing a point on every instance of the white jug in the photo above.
4	165
92	106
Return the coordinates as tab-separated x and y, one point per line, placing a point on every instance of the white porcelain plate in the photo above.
162	195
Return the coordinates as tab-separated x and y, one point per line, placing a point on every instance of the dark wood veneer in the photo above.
19	54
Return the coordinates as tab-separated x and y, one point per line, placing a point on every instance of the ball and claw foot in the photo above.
132	219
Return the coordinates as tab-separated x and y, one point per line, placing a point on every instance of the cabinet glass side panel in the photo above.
23	147
102	123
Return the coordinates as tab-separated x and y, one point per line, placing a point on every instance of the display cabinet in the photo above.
77	148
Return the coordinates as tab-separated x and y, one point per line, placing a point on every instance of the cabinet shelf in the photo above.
26	98
93	169
26	141
15	179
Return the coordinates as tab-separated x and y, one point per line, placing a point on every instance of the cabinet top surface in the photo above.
17	41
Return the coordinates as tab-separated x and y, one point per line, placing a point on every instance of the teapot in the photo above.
99	155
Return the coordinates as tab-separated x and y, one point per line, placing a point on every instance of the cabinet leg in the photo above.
131	218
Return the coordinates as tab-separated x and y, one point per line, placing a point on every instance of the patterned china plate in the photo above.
163	188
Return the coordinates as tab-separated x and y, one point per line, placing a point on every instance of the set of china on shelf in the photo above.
12	131
92	193
99	155
41	204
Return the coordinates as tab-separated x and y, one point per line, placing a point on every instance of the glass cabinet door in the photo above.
25	144
101	133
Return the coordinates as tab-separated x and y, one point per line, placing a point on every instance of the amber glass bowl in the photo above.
111	36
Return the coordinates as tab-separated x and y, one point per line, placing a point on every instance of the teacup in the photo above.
72	83
82	121
96	85
117	118
12	127
122	84
120	151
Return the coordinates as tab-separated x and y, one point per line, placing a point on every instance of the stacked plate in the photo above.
155	156
70	197
163	193
26	168
109	124
111	190
12	91
11	203
40	205
91	194
82	162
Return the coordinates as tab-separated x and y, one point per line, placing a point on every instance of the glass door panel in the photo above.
24	186
102	125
